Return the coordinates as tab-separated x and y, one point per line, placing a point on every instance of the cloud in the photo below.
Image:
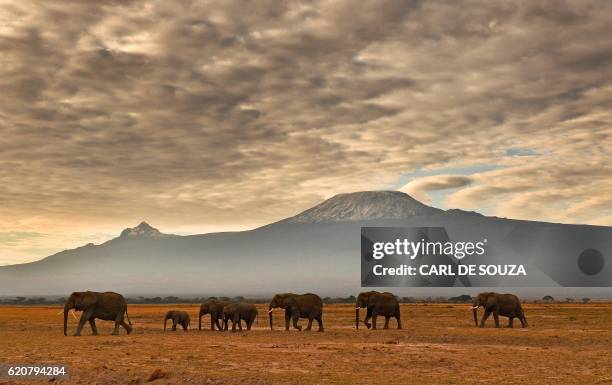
11	238
549	189
237	114
419	188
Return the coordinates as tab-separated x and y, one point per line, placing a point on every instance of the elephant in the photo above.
214	307
238	312
377	303
178	317
298	306
507	305
106	306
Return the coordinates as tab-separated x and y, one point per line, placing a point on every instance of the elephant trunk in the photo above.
356	317
66	320
270	315
475	311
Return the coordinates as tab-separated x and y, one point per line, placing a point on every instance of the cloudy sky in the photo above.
207	116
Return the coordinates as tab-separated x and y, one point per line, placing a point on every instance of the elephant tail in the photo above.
128	317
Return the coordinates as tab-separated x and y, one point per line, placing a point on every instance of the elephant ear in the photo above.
372	300
289	302
481	300
360	299
490	300
86	300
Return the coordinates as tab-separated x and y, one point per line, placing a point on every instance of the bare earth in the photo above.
439	345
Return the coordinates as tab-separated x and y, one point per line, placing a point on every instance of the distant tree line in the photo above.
551	299
464	298
31	300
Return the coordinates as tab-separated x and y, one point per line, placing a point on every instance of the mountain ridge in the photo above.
316	249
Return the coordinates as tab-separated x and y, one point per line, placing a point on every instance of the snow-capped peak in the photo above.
365	205
143	229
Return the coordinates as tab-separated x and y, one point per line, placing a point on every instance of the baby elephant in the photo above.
238	312
178	317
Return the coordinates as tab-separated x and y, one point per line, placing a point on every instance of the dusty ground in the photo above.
439	344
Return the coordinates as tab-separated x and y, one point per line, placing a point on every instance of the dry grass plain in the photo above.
439	345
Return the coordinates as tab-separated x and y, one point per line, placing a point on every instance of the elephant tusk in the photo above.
269	311
74	315
474	307
60	312
357	308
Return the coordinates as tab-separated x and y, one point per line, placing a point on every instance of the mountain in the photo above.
315	250
143	230
363	206
372	205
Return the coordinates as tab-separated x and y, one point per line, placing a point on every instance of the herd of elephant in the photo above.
111	306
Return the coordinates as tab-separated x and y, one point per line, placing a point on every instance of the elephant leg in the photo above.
94	329
118	321
399	321
296	317
484	317
250	323
127	327
174	323
184	325
219	323
511	322
214	321
86	315
233	319
386	322
496	318
367	318
374	316
320	321
309	323
287	319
